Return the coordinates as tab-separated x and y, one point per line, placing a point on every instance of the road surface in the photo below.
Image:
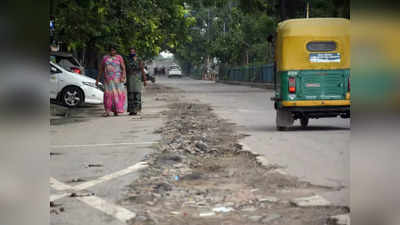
104	154
319	154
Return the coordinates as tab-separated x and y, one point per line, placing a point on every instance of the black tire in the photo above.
279	128
72	97
284	120
304	122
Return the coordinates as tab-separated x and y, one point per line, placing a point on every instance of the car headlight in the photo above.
91	84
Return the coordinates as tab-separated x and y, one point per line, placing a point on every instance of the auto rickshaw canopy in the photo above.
294	35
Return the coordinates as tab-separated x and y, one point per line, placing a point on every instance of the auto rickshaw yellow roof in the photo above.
314	27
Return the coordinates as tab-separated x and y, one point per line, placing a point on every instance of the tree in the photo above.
148	25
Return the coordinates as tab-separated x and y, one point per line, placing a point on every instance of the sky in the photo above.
166	54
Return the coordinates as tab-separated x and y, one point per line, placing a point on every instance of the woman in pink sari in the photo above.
114	73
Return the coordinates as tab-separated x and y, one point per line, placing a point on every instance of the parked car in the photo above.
72	89
67	61
174	71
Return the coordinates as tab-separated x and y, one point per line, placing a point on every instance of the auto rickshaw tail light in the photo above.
292	85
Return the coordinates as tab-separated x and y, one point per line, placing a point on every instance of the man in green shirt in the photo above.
135	76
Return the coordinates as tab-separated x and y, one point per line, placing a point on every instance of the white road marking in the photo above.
111	209
103	145
105	178
57	185
118	212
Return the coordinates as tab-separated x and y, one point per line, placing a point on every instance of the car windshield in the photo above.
67	61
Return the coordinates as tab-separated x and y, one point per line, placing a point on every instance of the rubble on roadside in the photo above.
199	174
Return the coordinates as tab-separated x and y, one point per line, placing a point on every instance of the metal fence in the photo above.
259	74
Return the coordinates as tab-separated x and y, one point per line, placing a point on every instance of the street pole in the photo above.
308	9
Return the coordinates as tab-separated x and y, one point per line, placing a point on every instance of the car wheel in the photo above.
72	97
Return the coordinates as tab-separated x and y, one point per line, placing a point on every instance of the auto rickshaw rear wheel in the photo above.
284	120
304	122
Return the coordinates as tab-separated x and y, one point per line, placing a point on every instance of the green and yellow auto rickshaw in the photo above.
312	77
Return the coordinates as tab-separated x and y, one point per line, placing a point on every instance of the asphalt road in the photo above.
106	153
318	154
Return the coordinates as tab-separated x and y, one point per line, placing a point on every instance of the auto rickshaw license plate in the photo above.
325	57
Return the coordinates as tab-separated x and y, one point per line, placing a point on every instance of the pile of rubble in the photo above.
200	175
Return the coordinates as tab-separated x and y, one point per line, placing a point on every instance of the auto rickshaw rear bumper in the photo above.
319	111
316	103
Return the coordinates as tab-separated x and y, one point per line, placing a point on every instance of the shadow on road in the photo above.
62	115
298	128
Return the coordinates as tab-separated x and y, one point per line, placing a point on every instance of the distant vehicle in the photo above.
312	76
174	71
72	89
67	61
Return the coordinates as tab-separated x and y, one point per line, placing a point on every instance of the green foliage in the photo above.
148	25
235	31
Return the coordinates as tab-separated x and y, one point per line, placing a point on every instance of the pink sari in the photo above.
114	90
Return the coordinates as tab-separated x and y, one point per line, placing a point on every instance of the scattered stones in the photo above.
150	203
197	174
311	201
94	165
80	195
255	218
54	209
263	161
192	176
222	209
77	180
343	219
269	218
268	199
249	209
55	153
229	204
279	171
207	214
141	218
202	146
162	187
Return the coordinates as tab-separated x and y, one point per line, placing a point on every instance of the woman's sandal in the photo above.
106	115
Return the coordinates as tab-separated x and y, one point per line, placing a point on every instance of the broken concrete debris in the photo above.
198	173
311	201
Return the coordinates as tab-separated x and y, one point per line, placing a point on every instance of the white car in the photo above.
71	89
174	72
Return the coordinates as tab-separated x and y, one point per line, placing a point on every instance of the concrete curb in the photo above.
251	84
